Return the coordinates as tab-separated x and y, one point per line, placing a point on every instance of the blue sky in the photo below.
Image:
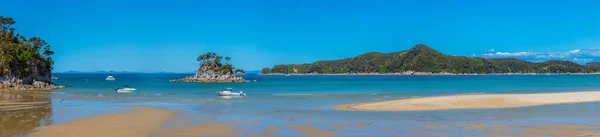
152	36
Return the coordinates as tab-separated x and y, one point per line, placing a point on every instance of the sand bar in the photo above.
140	122
474	101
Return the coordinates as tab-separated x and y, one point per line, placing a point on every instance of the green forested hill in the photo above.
23	58
422	58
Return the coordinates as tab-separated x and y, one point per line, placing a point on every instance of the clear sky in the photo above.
167	35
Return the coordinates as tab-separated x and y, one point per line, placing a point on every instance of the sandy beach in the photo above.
474	101
140	122
143	121
162	122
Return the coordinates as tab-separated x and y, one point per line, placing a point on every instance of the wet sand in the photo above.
152	121
474	101
537	129
20	113
312	132
15	102
199	130
140	122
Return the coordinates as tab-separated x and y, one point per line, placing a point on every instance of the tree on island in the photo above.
211	61
22	57
212	69
239	71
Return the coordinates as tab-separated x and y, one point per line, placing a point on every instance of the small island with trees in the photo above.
213	70
25	63
423	60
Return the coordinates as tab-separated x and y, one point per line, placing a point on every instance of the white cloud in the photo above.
509	54
490	51
583	60
575	55
574	51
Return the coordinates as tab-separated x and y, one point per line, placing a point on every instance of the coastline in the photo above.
474	101
417	74
296	112
10	86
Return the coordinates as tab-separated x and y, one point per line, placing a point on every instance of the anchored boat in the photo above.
126	89
229	92
110	78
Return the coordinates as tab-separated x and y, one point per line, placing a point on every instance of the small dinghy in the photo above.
126	89
228	92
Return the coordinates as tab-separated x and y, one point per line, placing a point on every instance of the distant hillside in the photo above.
593	65
422	58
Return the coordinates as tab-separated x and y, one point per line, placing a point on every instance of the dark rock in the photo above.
205	74
18	85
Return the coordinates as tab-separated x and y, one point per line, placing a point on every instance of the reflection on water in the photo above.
21	113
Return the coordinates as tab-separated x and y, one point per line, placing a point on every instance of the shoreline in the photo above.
420	74
8	86
160	120
484	101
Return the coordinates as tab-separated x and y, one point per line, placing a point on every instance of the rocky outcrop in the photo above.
14	84
207	74
25	63
240	73
212	69
214	80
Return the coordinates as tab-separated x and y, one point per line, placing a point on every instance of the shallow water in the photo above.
289	101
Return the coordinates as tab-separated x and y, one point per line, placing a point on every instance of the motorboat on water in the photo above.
229	92
110	78
125	89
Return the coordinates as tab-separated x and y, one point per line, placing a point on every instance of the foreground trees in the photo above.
21	57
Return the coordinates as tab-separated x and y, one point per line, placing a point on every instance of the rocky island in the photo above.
25	63
212	70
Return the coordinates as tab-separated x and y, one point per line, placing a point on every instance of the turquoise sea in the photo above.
307	100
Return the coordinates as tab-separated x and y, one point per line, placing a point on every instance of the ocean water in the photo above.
268	86
304	96
280	100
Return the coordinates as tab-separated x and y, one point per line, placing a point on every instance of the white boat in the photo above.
126	89
110	78
228	92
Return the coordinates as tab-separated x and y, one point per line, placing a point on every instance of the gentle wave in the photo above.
293	94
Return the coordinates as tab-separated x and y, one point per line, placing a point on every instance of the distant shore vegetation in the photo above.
422	58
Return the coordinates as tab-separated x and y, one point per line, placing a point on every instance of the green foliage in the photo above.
213	61
265	71
239	71
422	58
21	57
593	65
